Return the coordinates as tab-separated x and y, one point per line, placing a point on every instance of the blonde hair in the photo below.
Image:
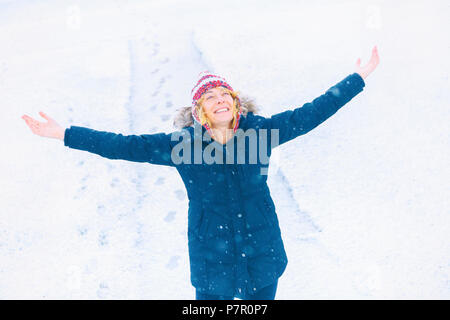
183	118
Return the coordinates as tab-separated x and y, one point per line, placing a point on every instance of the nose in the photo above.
220	99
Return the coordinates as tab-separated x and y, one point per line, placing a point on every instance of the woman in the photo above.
235	244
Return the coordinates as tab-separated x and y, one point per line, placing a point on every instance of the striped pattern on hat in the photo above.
206	81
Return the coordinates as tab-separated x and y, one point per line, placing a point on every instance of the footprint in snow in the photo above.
180	194
170	216
173	262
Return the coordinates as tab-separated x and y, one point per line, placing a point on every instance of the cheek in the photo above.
206	108
231	102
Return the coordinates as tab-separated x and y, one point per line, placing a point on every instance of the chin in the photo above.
224	119
221	122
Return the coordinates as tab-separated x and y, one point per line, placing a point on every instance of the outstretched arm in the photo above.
152	148
293	123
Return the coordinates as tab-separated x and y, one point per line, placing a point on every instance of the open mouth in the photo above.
222	110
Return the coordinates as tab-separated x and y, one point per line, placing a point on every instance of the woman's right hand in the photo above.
49	129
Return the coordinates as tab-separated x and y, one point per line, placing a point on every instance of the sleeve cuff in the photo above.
67	137
347	89
359	81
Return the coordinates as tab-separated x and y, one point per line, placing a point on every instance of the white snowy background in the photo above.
362	200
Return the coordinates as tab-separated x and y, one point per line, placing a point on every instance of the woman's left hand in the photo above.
370	66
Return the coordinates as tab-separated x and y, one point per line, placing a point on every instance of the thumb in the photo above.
358	62
45	116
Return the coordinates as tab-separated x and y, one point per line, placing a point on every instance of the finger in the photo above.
46	117
358	62
28	119
375	51
375	58
33	124
28	124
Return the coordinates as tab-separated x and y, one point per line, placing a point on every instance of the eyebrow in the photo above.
209	91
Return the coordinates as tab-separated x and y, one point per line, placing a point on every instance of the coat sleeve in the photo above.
293	123
152	148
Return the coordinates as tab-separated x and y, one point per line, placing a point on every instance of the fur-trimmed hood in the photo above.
184	118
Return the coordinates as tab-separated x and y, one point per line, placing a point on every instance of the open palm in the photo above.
370	66
49	129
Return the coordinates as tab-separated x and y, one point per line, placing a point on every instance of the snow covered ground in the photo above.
362	200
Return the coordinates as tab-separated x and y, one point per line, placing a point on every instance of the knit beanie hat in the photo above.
206	81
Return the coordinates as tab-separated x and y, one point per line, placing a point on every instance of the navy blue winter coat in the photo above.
234	239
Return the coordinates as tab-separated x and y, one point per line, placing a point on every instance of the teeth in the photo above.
221	110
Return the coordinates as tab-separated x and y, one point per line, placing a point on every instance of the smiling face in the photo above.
218	107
